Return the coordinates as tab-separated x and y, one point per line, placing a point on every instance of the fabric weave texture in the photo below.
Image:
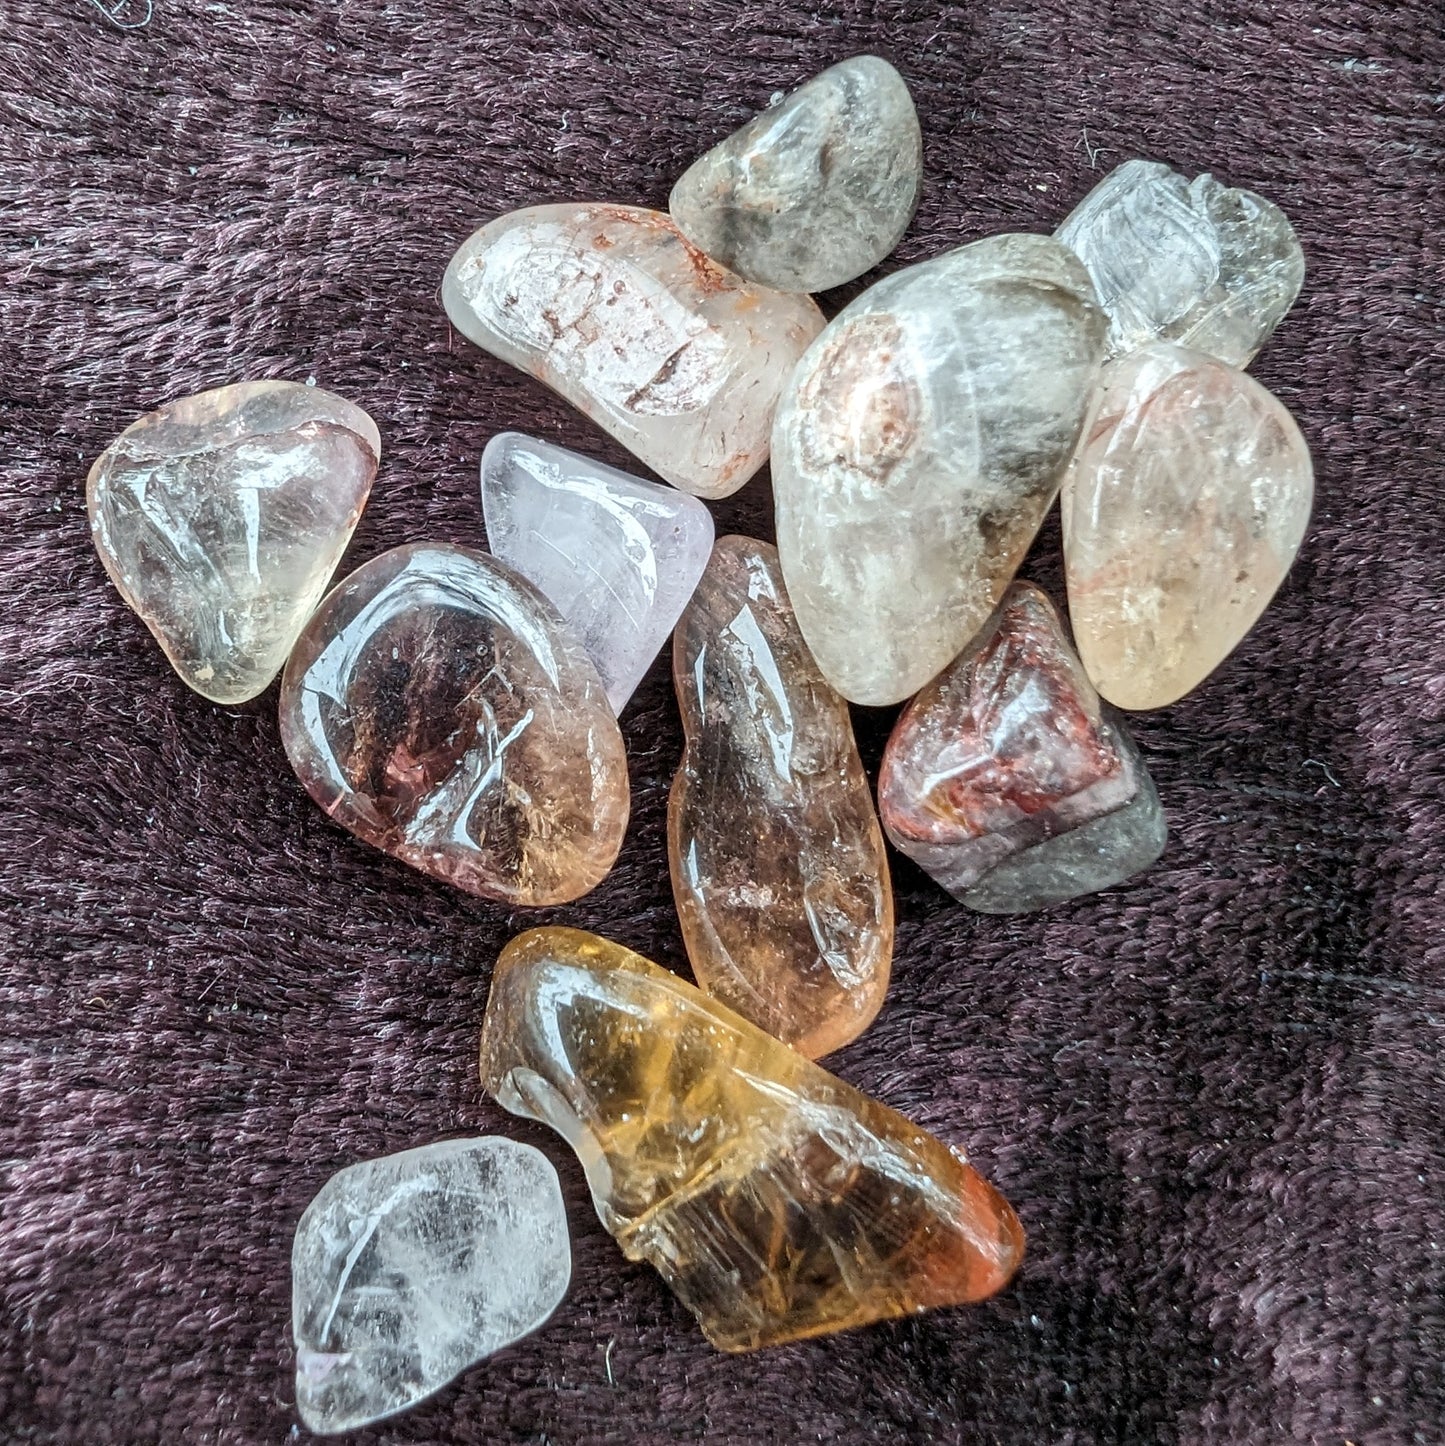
1215	1095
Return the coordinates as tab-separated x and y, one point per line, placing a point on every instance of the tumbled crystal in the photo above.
408	1269
1194	262
1182	513
1007	781
438	708
775	1200
778	865
221	517
611	307
617	557
917	448
817	189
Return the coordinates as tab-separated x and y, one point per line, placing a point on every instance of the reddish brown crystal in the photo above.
437	708
1005	779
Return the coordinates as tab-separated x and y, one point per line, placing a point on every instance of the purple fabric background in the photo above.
1215	1096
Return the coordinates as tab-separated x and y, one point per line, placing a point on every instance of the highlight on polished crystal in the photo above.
1007	781
1182	513
408	1269
817	189
1193	262
221	517
616	556
775	1200
777	859
438	708
679	360
917	448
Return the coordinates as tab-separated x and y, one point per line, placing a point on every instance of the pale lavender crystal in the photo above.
408	1269
617	557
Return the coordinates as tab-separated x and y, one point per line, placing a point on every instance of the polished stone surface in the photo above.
616	556
917	448
408	1269
778	864
817	189
774	1199
681	361
1194	262
438	708
1006	780
221	517
1182	513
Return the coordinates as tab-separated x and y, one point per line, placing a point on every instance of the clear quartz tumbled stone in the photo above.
918	445
1194	262
408	1269
817	189
678	359
1182	512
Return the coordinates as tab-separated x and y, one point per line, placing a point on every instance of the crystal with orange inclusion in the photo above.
776	1201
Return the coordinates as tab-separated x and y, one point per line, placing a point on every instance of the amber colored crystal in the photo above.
775	1200
777	858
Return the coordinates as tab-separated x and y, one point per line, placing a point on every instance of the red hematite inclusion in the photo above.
1008	733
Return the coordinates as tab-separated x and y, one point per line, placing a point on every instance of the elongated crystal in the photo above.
677	358
778	865
775	1200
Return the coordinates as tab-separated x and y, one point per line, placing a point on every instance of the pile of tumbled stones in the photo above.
458	708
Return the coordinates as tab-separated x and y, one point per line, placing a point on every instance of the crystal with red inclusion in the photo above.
1006	780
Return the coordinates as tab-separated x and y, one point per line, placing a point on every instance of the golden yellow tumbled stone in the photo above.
775	1200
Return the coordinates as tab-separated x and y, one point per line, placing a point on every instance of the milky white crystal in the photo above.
817	189
917	448
221	517
408	1269
1194	262
678	359
1182	513
616	556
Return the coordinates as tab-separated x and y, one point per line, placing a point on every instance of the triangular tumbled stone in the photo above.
777	1201
1007	781
616	556
221	517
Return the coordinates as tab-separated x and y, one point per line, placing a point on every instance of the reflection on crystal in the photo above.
617	557
775	1200
437	707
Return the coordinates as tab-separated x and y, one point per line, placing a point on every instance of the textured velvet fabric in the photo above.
1215	1096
